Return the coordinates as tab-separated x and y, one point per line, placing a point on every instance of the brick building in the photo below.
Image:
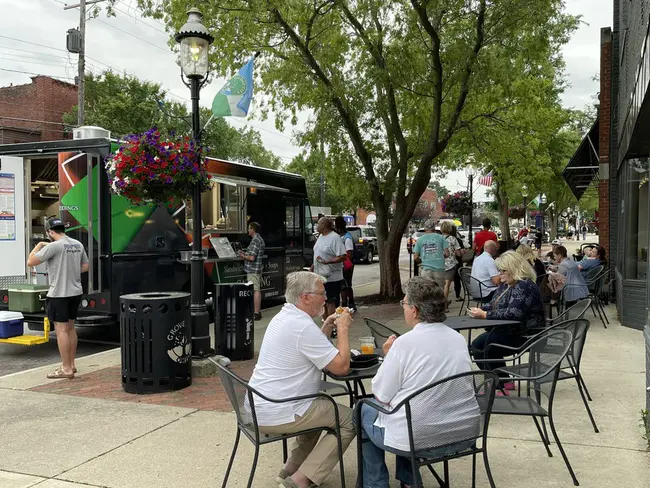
33	112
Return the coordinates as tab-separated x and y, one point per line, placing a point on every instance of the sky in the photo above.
139	46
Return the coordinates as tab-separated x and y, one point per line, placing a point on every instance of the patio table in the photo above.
354	381
465	322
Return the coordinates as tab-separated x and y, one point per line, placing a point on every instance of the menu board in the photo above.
7	207
222	247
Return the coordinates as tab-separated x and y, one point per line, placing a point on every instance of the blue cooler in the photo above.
11	324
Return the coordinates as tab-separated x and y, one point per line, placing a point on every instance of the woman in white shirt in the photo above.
428	353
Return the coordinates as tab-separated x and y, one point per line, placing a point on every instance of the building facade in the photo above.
34	112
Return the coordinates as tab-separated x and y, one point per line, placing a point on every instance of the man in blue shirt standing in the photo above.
432	249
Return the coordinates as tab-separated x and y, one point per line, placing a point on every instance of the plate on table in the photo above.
363	361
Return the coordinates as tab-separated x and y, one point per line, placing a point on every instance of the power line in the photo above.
30	61
33	52
134	36
35	74
37	121
33	43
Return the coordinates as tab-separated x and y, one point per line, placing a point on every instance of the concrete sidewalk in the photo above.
87	432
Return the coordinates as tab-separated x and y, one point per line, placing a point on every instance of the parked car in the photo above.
365	242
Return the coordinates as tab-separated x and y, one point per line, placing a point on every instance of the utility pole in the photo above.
81	88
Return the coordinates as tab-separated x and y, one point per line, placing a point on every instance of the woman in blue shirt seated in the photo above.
592	260
518	298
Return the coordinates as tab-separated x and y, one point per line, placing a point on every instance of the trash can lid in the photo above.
162	295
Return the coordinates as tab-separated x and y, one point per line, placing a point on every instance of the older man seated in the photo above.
293	354
484	271
428	353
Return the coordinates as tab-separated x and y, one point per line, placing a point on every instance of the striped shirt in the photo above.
293	353
255	249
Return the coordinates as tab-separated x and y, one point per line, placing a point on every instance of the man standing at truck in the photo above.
253	265
66	259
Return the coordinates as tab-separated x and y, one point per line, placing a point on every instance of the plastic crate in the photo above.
11	324
27	298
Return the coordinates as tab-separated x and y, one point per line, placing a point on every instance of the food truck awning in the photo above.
246	183
583	166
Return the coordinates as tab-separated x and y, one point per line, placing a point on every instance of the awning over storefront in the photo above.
583	165
246	183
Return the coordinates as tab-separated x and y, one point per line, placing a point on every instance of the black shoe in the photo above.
257	316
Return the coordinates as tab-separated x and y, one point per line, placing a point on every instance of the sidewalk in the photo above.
89	433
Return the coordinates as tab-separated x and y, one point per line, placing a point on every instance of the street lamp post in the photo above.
542	200
470	172
524	193
195	40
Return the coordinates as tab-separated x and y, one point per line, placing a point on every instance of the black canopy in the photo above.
583	165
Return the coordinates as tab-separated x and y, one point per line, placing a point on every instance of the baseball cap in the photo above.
54	223
430	224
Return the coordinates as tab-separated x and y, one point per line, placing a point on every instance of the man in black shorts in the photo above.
66	259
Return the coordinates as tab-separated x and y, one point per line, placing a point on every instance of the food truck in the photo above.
136	249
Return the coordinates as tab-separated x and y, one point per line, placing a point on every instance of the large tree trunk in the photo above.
390	241
503	205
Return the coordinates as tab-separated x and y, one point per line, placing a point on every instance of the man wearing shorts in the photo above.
329	254
66	259
253	265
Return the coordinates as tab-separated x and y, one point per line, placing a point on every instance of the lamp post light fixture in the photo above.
470	172
524	193
542	200
195	40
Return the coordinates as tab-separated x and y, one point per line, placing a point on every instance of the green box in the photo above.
27	298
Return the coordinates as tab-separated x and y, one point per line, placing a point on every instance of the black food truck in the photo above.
137	249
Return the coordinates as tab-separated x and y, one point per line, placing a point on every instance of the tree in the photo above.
124	104
391	82
440	190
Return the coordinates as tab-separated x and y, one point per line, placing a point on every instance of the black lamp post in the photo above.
470	172
195	42
524	193
542	200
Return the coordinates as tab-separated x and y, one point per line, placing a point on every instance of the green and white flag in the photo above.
234	99
535	201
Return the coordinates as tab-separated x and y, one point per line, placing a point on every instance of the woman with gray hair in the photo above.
428	353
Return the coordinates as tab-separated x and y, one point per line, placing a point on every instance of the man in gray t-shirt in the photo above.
66	259
329	254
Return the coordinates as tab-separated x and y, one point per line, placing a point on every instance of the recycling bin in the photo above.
233	320
156	342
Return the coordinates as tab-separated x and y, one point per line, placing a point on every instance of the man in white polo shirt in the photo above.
485	271
427	354
293	354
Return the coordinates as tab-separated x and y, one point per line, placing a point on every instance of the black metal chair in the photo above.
466	280
544	363
380	333
576	311
594	280
570	368
437	401
240	395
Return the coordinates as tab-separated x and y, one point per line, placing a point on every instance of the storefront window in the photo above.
223	208
635	213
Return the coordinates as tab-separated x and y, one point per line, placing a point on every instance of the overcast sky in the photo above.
139	47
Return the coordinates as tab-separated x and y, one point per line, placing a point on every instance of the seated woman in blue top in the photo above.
518	298
592	260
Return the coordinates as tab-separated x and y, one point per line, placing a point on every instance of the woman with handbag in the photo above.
347	294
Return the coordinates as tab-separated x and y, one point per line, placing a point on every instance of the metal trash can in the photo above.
156	342
233	320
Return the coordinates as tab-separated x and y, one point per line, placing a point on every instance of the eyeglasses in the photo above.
402	303
502	271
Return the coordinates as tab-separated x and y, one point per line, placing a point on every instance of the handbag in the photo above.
347	264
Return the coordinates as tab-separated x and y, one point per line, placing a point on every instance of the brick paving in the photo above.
203	394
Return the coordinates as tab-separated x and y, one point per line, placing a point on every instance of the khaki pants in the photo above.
438	275
316	461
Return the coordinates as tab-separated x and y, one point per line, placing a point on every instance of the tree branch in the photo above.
469	64
346	117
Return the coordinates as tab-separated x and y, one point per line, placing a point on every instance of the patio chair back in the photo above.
380	333
467	279
599	282
578	329
576	311
545	354
591	277
452	411
241	400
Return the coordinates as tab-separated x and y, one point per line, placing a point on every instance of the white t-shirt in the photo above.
293	353
428	353
328	247
483	269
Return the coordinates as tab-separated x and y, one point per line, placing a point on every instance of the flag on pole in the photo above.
535	201
234	99
486	180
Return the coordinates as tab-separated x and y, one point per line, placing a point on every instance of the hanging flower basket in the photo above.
148	170
457	203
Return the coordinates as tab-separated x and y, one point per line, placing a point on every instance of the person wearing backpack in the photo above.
347	293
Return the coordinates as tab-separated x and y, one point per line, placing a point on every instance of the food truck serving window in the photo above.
223	208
